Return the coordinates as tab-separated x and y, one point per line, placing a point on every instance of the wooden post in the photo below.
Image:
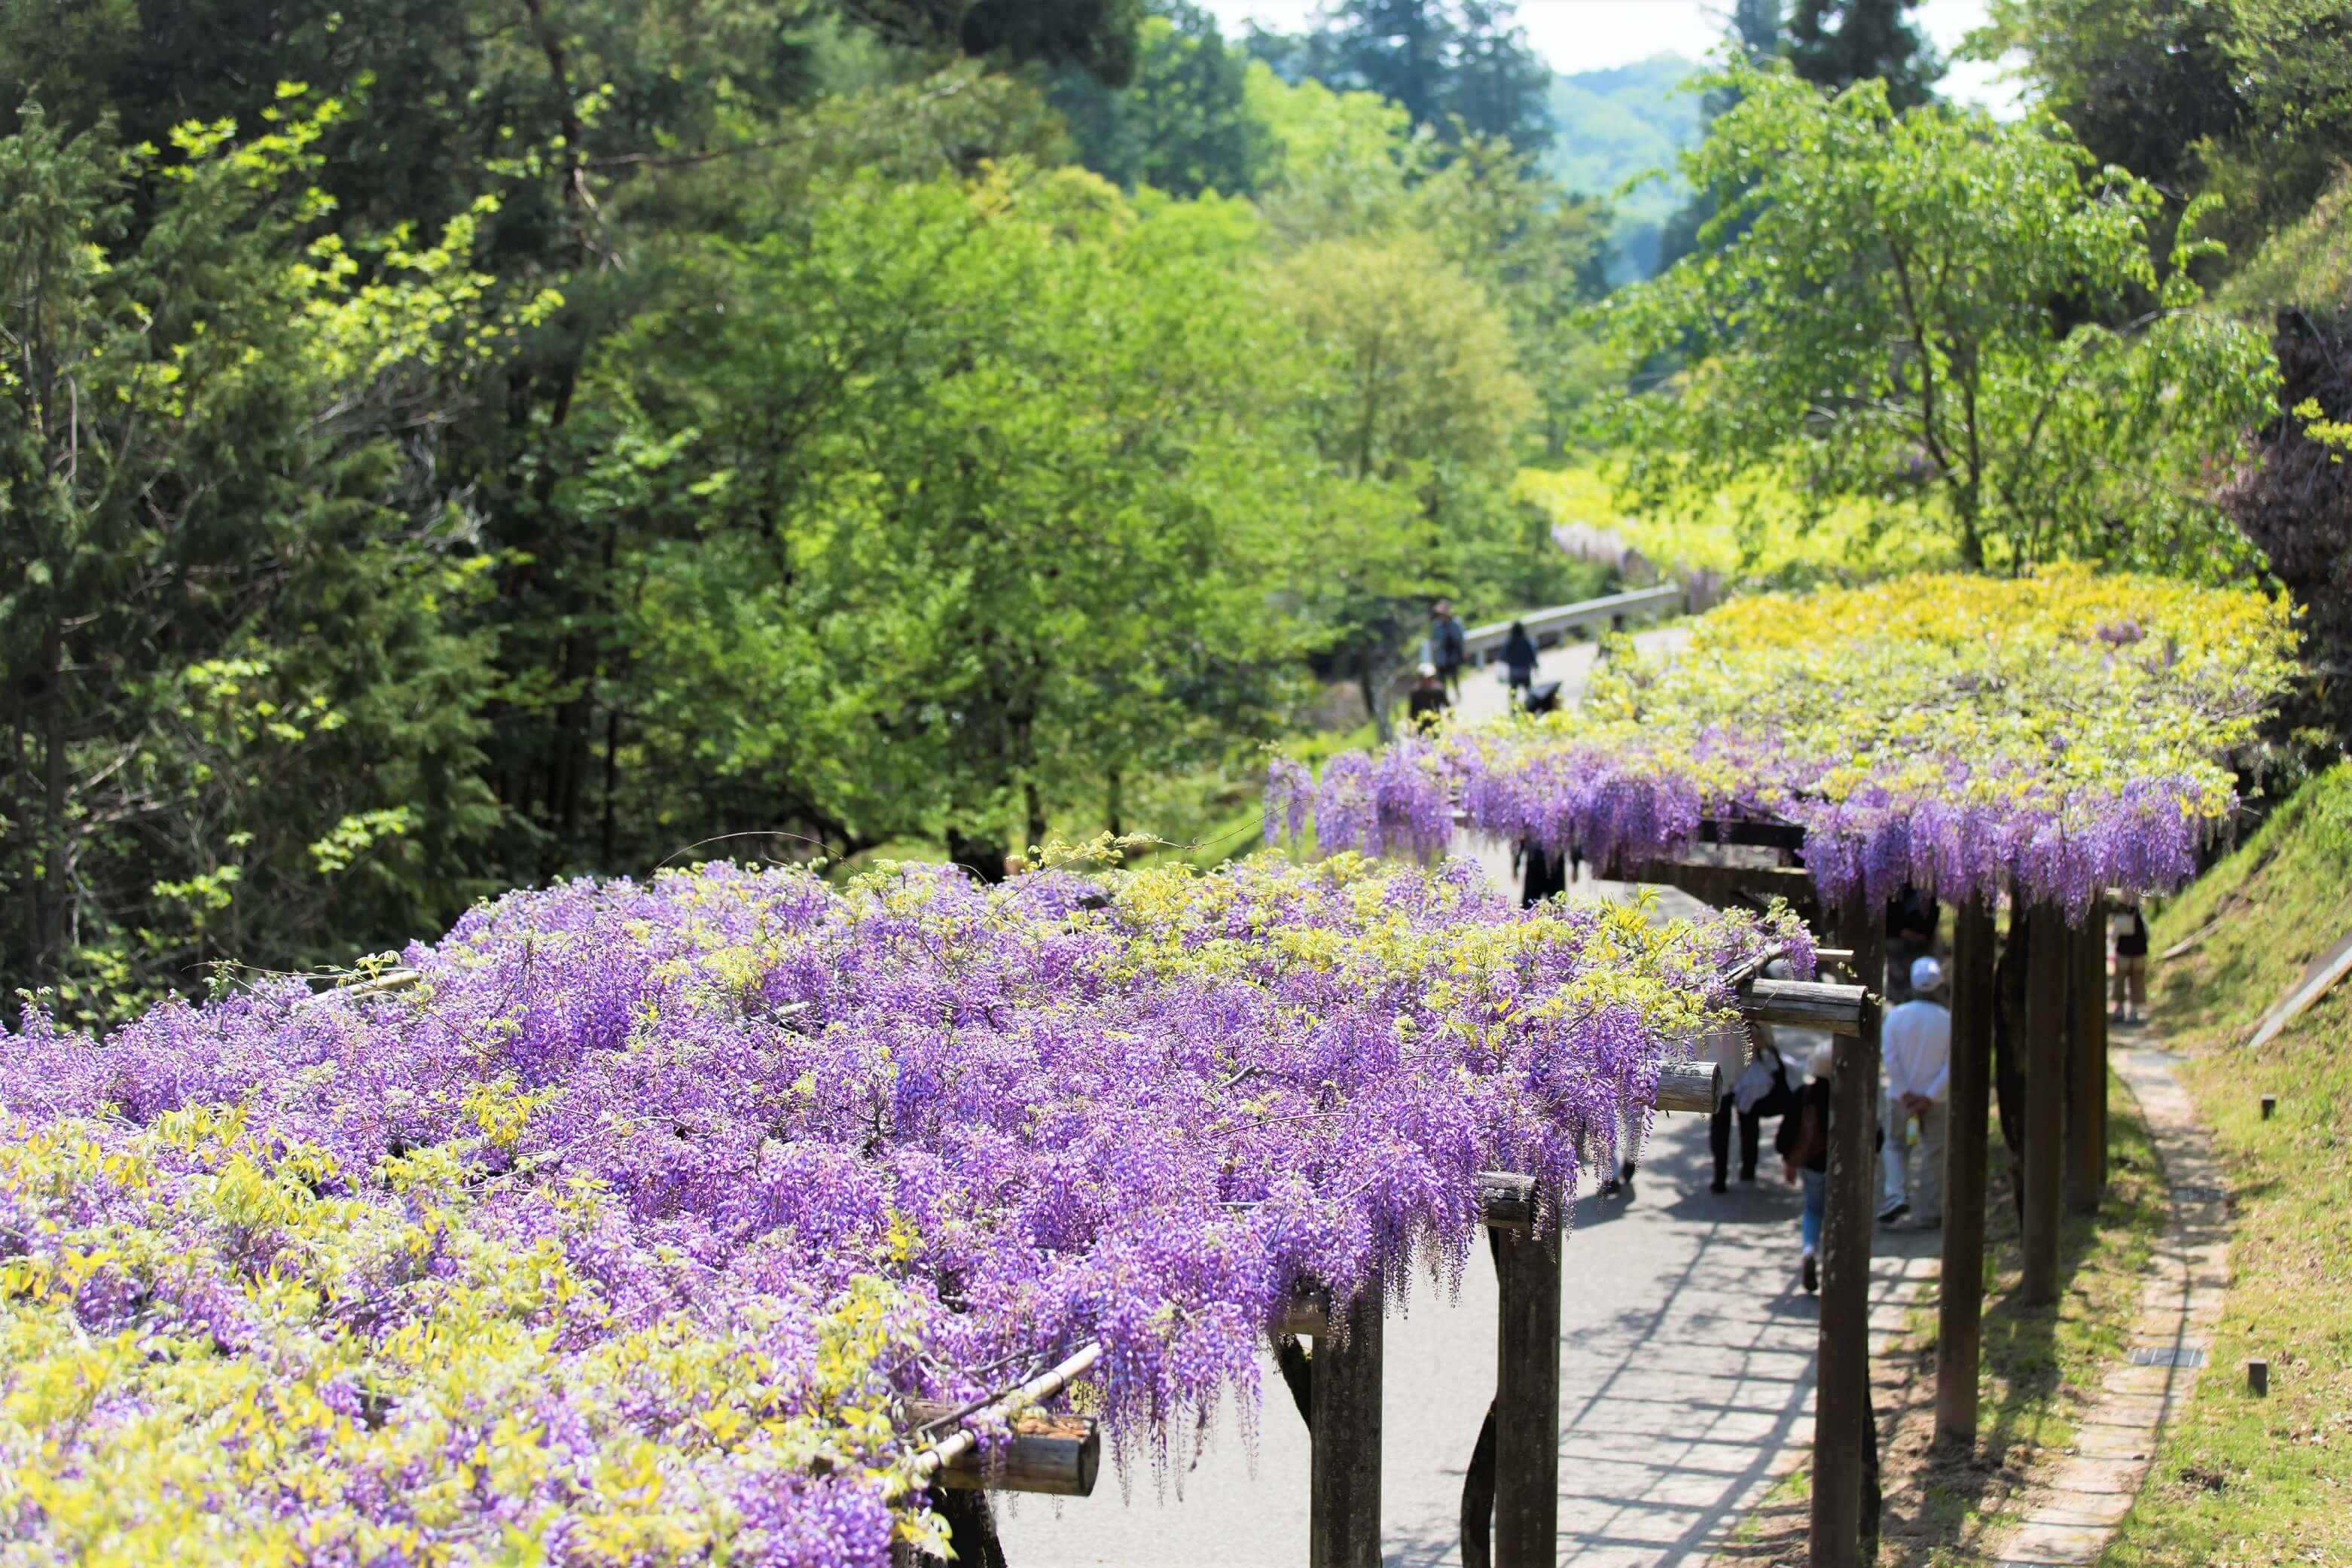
2086	1063
1527	1395
1841	1396
2046	963
1343	1525
1959	1309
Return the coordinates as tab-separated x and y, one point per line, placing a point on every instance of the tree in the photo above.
1415	398
990	492
237	700
1458	67
1835	43
1888	327
2247	99
1752	36
1183	125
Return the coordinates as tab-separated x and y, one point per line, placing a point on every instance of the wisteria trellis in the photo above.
622	1235
2056	734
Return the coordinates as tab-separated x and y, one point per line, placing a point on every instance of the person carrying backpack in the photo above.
2128	993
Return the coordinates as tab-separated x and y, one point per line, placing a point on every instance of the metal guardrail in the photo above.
1482	643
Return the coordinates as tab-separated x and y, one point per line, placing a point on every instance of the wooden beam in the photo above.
1343	1487
1841	1395
1748	831
1805	1004
1689	1086
1527	1395
2086	1062
2046	963
1723	886
1059	1456
1959	1306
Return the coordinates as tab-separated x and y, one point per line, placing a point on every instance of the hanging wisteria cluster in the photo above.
2055	735
623	1234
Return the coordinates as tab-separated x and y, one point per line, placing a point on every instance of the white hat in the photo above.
1925	974
1427	670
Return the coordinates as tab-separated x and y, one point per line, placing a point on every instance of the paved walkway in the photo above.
2073	1509
1686	1370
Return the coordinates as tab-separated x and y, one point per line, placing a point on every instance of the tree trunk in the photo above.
54	884
1117	803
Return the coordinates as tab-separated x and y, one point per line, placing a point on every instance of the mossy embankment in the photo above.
2241	1478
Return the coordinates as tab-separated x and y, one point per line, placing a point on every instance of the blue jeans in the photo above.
1817	1202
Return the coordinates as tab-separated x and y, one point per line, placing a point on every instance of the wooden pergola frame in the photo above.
2064	1025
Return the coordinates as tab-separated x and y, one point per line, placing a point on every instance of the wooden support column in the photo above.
1960	1310
2086	1061
2047	959
1527	1395
1343	1523
1842	1400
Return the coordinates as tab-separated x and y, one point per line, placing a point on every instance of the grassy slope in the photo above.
2241	1479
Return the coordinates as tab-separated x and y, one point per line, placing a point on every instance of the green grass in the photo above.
2240	1479
2038	1366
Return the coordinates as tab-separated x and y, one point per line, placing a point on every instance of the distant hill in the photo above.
1610	125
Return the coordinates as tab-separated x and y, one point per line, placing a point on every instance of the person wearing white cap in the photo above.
1914	1046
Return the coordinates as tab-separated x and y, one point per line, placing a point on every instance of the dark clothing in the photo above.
1426	704
1804	1137
2133	943
1519	656
1545	873
1446	640
1911	922
1777	1100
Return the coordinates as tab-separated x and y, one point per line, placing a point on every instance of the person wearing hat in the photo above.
1914	1046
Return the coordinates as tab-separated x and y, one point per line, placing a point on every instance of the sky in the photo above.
1594	35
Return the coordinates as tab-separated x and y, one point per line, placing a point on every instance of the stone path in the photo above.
2069	1515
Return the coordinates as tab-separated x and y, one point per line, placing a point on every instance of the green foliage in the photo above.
1011	409
1888	326
1835	43
1457	67
2238	1475
1182	125
2249	100
1758	531
196	491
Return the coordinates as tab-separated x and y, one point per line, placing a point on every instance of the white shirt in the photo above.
1915	1042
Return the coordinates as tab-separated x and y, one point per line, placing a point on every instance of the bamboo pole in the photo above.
1043	1386
1841	1397
2047	960
1343	1507
2086	1062
1960	1310
1526	1393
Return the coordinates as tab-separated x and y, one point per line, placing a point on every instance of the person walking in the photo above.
1803	1145
1756	1085
1519	659
2128	994
1448	645
1915	1042
1426	702
1542	872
